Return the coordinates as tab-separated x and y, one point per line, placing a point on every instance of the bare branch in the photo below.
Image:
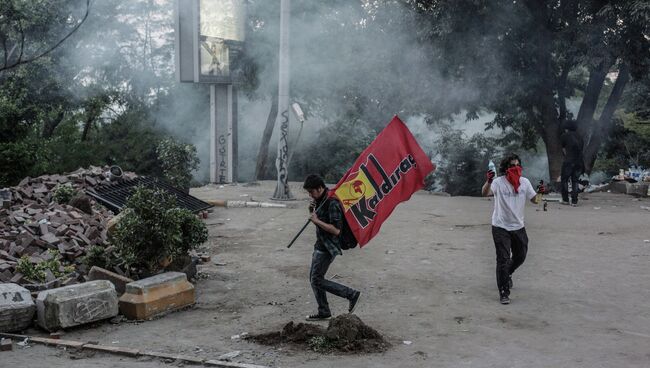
20	61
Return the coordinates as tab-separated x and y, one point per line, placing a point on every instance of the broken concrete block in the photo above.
76	304
155	295
98	273
16	308
6	345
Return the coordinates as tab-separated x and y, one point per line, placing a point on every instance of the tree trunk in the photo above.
90	118
590	100
554	153
603	126
50	125
263	154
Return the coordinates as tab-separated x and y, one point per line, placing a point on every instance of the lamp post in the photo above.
282	191
209	37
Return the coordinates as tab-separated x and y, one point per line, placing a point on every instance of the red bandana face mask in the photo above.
513	174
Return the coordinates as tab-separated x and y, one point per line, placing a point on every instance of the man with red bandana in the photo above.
510	191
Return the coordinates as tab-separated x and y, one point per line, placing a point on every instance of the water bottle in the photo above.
492	167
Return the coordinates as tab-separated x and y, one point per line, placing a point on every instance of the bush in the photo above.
153	230
63	193
178	161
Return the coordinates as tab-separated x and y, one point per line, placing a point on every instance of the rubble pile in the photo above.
34	226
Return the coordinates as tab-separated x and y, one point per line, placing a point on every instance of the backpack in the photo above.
346	236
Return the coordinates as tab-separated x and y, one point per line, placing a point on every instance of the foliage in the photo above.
63	193
463	162
37	272
320	344
21	159
342	141
629	144
177	160
97	255
154	229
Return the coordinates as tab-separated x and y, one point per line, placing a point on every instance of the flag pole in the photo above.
299	232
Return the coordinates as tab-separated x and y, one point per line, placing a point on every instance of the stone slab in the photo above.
76	305
147	298
16	308
98	273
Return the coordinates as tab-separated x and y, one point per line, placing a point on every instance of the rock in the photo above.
119	281
16	308
76	305
6	345
82	202
156	295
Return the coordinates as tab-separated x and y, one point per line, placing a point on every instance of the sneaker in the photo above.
354	301
318	317
505	299
574	205
566	203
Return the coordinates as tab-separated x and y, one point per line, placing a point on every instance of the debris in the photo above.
407	342
6	345
596	208
345	333
231	355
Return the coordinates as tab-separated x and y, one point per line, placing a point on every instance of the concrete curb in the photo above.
130	352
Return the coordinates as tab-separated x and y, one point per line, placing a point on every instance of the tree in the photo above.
528	58
30	30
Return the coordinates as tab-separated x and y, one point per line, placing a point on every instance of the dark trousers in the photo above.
570	170
320	262
507	243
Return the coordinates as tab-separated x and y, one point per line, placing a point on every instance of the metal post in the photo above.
282	191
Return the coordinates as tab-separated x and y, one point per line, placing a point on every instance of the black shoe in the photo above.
354	301
505	299
318	317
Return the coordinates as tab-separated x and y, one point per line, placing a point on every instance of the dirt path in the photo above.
580	300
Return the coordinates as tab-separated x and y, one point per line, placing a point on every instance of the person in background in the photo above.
573	165
510	191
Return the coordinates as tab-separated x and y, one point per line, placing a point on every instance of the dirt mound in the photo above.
345	333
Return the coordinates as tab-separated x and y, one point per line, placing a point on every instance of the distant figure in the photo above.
510	191
327	215
573	165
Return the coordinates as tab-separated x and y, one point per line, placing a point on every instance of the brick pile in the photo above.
31	223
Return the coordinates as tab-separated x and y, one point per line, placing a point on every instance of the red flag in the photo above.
386	173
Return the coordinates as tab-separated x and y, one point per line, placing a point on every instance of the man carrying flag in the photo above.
326	215
387	172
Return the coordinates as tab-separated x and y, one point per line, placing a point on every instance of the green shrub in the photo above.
63	193
178	161
154	229
96	255
37	272
320	344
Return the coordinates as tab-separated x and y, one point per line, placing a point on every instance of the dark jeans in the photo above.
320	262
570	170
507	242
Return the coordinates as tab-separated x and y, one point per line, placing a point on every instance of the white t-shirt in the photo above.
508	205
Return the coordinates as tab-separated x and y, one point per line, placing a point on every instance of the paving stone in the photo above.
146	298
98	273
6	345
76	305
16	308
